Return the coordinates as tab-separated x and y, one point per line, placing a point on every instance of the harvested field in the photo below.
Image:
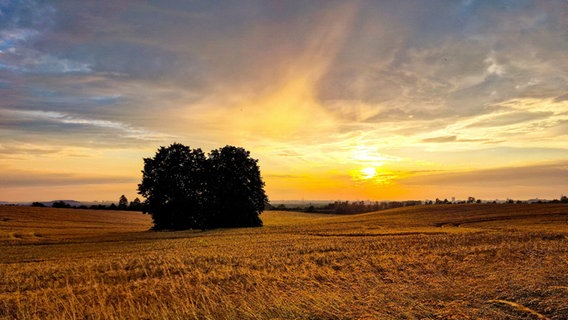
426	262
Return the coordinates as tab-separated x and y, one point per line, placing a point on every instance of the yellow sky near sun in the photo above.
289	116
301	153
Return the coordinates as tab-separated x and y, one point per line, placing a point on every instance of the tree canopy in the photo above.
122	203
236	187
184	189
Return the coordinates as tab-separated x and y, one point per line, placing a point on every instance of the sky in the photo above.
338	100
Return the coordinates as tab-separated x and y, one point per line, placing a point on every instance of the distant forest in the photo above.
123	204
346	207
336	207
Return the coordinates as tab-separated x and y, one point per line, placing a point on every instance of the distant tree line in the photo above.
123	205
346	207
470	200
562	199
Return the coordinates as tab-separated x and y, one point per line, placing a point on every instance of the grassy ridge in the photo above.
31	224
437	262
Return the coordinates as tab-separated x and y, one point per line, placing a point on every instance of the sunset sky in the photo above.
351	100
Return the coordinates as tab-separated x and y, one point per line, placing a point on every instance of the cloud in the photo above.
304	85
561	98
441	139
24	23
443	61
26	14
289	153
448	61
25	150
444	139
59	125
551	174
284	176
18	179
511	118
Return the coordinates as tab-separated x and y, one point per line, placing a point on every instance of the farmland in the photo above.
478	261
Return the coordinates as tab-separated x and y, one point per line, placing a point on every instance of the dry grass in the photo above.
429	262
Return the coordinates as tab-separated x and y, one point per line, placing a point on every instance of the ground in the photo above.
481	261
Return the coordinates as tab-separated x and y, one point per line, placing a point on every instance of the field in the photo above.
428	262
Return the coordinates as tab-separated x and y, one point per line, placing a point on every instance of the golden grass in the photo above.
428	262
45	224
521	308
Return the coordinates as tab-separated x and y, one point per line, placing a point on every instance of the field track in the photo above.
427	262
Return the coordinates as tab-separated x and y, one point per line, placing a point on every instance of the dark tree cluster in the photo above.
346	207
184	189
123	205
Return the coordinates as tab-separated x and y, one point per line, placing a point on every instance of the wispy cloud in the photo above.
58	121
510	118
24	24
536	176
441	139
20	179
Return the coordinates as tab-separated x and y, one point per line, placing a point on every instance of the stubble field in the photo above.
426	262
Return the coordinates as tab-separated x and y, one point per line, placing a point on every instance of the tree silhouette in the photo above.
185	190
122	203
174	185
136	205
237	189
60	204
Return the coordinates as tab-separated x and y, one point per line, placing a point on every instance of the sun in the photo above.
368	173
373	175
